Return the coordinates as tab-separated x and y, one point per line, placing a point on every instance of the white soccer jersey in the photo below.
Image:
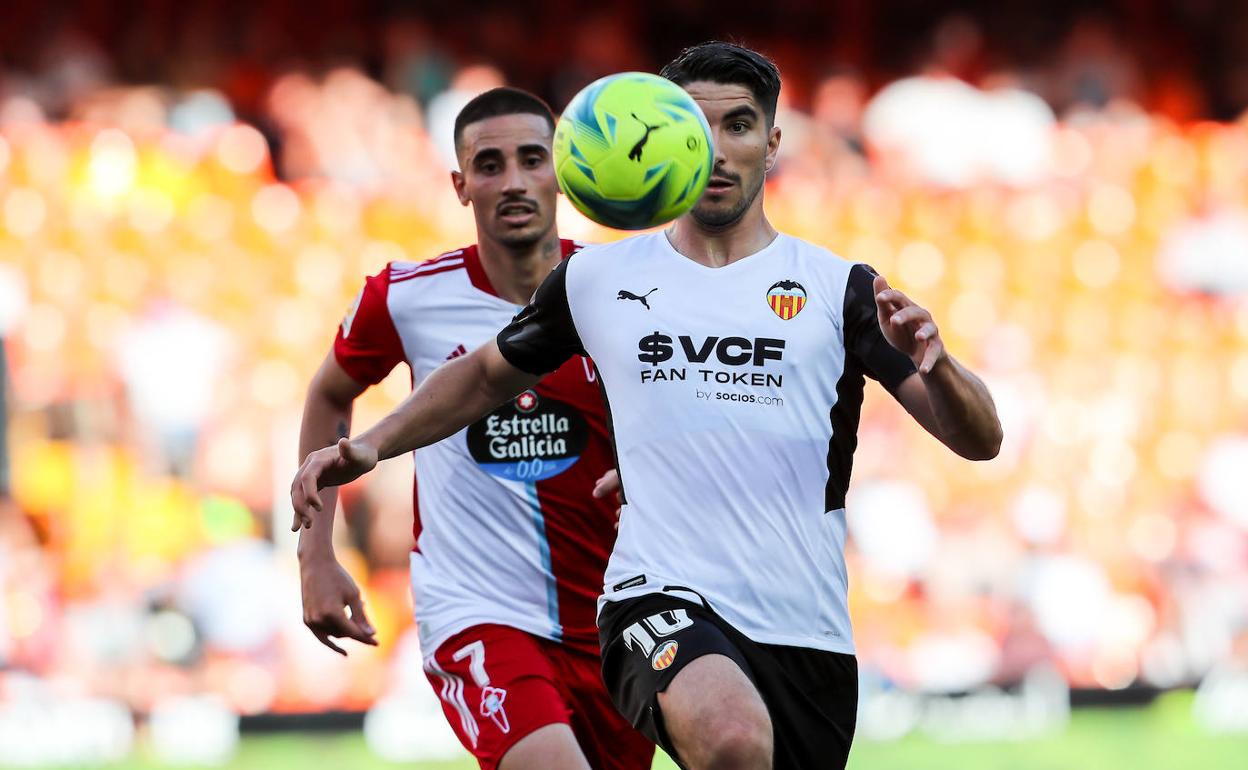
506	529
734	395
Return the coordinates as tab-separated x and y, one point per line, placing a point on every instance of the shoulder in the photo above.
818	258
829	272
446	262
845	285
616	252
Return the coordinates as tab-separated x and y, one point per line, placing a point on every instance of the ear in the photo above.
773	147
461	187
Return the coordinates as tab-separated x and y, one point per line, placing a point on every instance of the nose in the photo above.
716	152
513	180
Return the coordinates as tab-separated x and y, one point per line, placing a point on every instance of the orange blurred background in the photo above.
175	255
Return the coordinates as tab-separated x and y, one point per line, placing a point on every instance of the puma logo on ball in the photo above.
635	153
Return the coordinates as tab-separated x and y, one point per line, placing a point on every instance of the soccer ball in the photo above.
633	151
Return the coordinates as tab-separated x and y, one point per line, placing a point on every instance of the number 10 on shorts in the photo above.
641	635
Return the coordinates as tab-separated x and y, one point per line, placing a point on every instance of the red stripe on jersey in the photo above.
432	271
412	267
426	266
580	530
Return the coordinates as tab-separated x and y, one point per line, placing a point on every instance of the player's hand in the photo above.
907	326
329	467
607	485
327	590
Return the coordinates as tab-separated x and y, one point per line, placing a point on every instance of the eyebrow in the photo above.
493	153
489	153
744	111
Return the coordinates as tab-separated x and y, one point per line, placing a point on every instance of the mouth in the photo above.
517	214
719	185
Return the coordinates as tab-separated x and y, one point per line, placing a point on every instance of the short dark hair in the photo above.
498	102
730	64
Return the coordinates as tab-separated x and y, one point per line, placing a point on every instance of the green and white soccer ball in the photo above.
633	151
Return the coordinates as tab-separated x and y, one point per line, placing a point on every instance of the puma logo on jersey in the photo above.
457	352
624	294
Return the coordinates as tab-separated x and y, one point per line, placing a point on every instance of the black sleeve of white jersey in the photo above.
542	336
863	338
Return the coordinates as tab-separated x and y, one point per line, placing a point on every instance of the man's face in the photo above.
745	149
507	175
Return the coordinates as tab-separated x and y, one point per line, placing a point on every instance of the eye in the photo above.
488	167
739	127
533	161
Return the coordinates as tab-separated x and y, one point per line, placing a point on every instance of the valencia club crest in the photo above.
786	298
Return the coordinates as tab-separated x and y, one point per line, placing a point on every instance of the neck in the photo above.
720	246
516	273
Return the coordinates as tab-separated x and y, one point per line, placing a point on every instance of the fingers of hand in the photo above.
355	455
338	626
609	483
360	620
311	498
909	314
932	354
323	638
600	488
299	501
893	299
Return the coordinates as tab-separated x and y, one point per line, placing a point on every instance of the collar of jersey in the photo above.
751	259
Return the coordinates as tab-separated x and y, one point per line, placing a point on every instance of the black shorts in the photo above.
811	695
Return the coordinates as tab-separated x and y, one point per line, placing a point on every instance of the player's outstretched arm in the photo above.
945	397
326	418
328	590
453	396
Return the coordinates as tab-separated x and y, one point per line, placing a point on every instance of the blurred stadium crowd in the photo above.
185	215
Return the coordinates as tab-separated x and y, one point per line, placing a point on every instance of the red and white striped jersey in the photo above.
506	528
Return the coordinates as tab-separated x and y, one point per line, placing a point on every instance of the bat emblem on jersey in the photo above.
625	294
786	298
492	707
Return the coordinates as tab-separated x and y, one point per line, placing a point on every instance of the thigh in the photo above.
496	686
607	740
552	747
647	642
712	711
